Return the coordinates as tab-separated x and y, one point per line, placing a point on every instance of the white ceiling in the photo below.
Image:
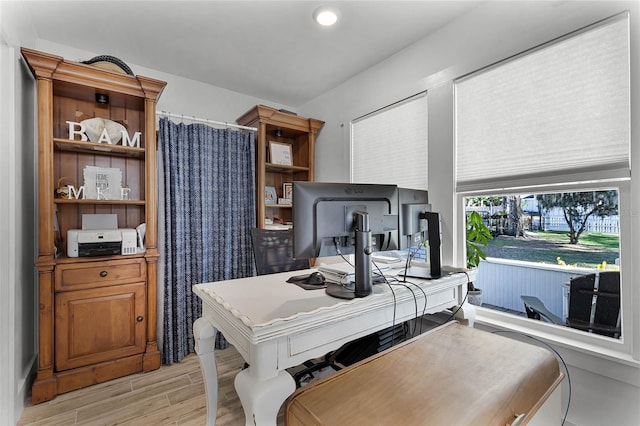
268	49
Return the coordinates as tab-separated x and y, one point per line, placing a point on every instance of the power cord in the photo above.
339	252
415	302
424	308
411	255
466	293
558	356
393	293
397	282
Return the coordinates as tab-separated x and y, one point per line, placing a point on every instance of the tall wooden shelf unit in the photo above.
280	126
97	315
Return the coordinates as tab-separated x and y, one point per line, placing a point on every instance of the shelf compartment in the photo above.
278	206
98	148
279	168
105	202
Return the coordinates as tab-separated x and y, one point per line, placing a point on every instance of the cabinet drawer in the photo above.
77	276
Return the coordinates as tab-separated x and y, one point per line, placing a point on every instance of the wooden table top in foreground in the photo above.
452	375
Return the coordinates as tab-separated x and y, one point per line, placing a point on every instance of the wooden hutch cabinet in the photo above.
295	135
97	314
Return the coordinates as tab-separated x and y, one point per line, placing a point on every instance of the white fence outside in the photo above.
554	221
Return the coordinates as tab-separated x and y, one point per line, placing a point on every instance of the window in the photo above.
389	146
548	126
539	243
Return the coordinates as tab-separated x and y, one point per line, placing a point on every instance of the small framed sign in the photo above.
102	183
280	153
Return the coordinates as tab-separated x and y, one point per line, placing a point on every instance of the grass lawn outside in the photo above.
546	247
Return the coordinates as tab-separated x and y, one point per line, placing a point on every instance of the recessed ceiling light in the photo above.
325	16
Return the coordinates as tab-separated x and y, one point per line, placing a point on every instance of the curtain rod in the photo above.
204	120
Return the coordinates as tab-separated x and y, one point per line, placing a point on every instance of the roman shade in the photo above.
559	113
389	146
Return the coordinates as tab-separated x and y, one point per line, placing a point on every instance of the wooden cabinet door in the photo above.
99	324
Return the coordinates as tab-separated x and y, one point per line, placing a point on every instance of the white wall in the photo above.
604	392
599	400
7	273
181	95
24	203
17	218
17	221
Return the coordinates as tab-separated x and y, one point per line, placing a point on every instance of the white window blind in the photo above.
557	114
390	146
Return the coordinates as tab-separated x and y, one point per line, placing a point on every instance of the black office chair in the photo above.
594	304
273	252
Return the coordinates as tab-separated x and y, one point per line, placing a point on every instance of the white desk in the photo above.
275	325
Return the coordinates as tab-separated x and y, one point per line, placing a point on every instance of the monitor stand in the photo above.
339	291
362	287
418	272
434	230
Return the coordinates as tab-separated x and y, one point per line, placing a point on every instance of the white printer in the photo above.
100	236
101	242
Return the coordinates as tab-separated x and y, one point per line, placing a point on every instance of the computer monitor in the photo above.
345	218
412	228
418	224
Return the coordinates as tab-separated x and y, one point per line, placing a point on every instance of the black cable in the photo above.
384	277
557	354
424	309
415	302
393	322
466	293
335	242
411	255
379	273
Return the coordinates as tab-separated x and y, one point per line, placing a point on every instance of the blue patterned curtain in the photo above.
209	210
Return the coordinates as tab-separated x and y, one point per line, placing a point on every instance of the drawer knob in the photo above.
139	318
103	274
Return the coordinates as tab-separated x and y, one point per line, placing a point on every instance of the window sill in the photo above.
596	354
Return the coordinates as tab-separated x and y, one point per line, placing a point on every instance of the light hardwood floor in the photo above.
171	395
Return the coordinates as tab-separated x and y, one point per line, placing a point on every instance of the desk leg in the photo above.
204	334
466	313
261	399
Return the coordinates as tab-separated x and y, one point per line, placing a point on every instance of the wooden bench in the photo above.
452	375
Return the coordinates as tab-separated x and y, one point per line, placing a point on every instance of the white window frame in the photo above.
614	349
625	351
